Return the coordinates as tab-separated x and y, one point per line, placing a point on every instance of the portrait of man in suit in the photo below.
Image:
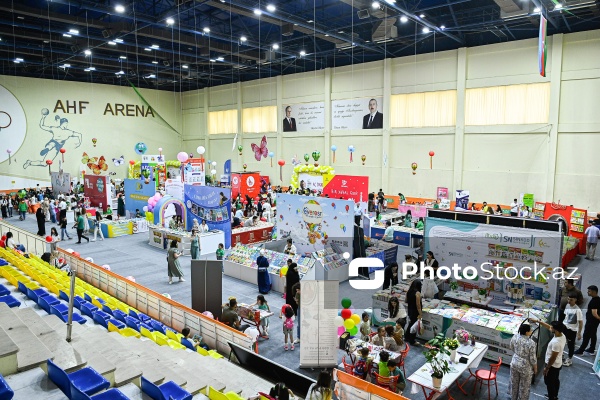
374	119
289	123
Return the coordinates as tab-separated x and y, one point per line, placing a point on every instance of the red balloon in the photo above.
63	150
131	162
48	162
3	237
49	239
61	260
346	313
431	154
76	254
281	163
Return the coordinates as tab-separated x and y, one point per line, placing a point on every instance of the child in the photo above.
220	251
262	304
365	327
138	214
361	367
63	229
395	371
384	358
399	334
288	325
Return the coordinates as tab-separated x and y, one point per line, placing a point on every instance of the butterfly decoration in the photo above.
97	165
260	150
119	161
295	161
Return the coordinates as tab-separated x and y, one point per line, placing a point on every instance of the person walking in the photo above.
592	233
195	245
22	210
553	359
120	206
97	227
63	229
592	321
174	268
11	207
523	364
80	225
574	323
291	278
263	278
4	207
414	310
41	222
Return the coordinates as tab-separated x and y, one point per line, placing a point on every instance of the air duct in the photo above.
385	30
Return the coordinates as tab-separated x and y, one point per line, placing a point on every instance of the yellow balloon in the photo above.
349	323
283	271
355	318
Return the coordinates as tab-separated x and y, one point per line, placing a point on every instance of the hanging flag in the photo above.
234	140
227	167
542	45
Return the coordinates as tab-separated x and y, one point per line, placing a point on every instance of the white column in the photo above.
555	79
459	134
327	156
385	139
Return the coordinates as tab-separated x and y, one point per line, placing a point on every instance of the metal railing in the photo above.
32	242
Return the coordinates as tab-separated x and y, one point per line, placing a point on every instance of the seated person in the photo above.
388	236
378	340
138	214
420	224
236	223
108	213
384	358
395	371
251	221
361	367
10	243
188	335
239	214
231	318
389	340
281	392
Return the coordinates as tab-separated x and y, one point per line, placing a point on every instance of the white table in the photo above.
422	377
466	297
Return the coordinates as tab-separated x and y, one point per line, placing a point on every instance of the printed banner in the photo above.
137	194
304	117
416	211
357	113
348	187
96	189
527	200
462	200
194	173
150	164
245	183
442	192
174	187
61	183
314	223
204	203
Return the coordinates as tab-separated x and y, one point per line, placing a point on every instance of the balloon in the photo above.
316	155
363	158
48	162
338	321
341	330
346	313
271	154
106	266
140	148
431	154
63	151
94	140
145	208
131	162
157	196
353	331
349	324
90	259
351	149
182	156
49	239
200	150
213	171
131	278
160	149
245	166
283	271
333	147
355	318
281	163
214	164
306	157
414	167
333	205
346	302
240	148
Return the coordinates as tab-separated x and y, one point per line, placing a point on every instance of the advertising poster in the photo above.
314	223
204	203
527	200
462	200
442	192
303	117
245	183
349	187
174	187
96	189
509	249
137	194
357	113
61	182
193	172
150	164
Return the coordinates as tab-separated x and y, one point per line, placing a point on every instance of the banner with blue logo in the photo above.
205	203
137	193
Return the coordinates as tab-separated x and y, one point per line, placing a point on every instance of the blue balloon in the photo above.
141	148
333	148
271	154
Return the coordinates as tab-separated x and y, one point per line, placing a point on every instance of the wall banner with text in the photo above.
304	117
363	113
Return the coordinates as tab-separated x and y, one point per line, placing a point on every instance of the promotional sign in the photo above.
417	211
348	187
462	200
314	223
357	113
137	194
96	189
304	117
61	183
527	200
245	183
193	172
442	192
150	163
204	203
508	250
311	181
174	187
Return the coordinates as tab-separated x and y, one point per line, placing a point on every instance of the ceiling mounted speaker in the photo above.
106	33
75	49
287	29
166	63
363	14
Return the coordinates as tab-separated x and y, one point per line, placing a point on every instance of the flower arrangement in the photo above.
453	285
462	335
451	343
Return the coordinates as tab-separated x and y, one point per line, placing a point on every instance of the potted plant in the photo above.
436	355
483	294
453	285
452	344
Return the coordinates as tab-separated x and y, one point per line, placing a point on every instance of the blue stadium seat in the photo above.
111	394
48	302
34	294
158	327
6	393
166	391
86	380
63	295
188	344
107	309
4	290
120	315
65	317
88	309
10	301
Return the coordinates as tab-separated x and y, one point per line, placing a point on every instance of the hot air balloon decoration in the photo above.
414	167
351	150
316	155
333	149
281	164
240	148
306	158
94	141
9	151
431	154
245	166
363	159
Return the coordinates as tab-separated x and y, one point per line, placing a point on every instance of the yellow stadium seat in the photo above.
161	341
202	351
174	336
214	394
175	345
129	332
214	354
146	333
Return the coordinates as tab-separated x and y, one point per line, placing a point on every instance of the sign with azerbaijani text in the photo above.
304	117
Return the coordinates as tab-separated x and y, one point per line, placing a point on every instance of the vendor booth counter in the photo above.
255	234
408	237
161	238
121	227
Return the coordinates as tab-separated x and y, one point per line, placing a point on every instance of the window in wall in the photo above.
222	122
259	119
508	105
418	110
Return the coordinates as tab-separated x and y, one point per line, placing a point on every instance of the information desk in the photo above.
161	238
403	236
248	235
422	376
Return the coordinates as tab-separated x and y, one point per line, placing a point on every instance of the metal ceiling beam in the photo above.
552	21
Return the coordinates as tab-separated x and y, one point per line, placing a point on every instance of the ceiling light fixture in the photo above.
243	39
66	35
340	31
119	40
112	43
302	53
151	76
220	59
558	6
212	60
376	5
120	73
275	46
123	57
119	8
206	30
443	27
185	66
422	16
92	68
390	1
66	65
18	60
404	19
310	21
154	62
326	35
147	49
155	47
426	30
170	21
257	11
87	52
536	10
271	8
74	31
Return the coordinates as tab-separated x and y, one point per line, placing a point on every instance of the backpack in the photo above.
288	323
360	368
